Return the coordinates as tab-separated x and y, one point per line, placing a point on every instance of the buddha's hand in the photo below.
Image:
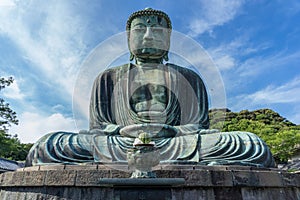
110	129
209	131
191	129
92	132
155	130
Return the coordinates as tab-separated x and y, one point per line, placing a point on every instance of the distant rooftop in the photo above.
8	165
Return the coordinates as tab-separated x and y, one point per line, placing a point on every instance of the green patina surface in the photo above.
167	101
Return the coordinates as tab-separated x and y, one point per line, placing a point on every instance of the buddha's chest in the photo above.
152	76
148	91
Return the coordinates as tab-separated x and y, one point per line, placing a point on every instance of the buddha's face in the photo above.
149	37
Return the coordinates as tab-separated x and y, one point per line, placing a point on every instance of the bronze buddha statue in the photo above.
169	102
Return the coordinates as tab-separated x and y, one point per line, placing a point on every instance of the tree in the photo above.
281	135
10	146
7	115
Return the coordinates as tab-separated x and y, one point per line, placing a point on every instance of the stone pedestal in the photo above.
173	182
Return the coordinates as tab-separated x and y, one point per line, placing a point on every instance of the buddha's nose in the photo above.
148	34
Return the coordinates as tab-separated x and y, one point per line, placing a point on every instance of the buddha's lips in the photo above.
148	44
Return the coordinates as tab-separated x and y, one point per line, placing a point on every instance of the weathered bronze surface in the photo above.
165	100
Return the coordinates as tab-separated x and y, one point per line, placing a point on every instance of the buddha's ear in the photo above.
166	57
131	56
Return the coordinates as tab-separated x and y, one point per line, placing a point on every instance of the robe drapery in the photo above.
184	120
110	107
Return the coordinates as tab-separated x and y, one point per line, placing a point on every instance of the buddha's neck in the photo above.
147	61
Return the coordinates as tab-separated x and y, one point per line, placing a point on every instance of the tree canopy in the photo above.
10	145
281	135
7	115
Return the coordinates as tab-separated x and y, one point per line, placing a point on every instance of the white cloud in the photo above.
259	64
7	3
13	91
33	126
225	62
52	39
223	57
287	94
214	13
227	55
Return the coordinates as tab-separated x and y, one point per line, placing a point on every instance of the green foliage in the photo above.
281	135
7	115
10	146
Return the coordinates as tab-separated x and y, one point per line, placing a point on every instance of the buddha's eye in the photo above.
156	30
139	30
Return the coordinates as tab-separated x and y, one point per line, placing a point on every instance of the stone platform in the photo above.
173	182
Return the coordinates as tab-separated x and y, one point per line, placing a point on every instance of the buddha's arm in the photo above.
101	115
103	129
188	129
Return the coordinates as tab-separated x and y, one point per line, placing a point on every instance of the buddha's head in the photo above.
148	34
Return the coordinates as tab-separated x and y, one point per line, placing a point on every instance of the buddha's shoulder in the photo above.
119	68
183	70
113	70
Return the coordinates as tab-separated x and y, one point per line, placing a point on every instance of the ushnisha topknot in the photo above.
148	11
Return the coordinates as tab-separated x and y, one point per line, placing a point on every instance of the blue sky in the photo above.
254	44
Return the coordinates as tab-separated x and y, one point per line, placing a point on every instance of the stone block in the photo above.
162	174
17	178
199	194
269	179
81	167
51	167
7	178
103	167
25	193
238	168
290	179
119	174
228	193
142	193
175	167
197	178
211	168
34	178
33	168
297	193
244	178
170	173
9	195
2	176
36	195
60	178
268	193
12	178
197	184
92	193
221	178
54	193
177	193
90	177
71	193
176	174
117	167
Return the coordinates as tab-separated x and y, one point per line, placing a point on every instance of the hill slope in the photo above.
281	135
